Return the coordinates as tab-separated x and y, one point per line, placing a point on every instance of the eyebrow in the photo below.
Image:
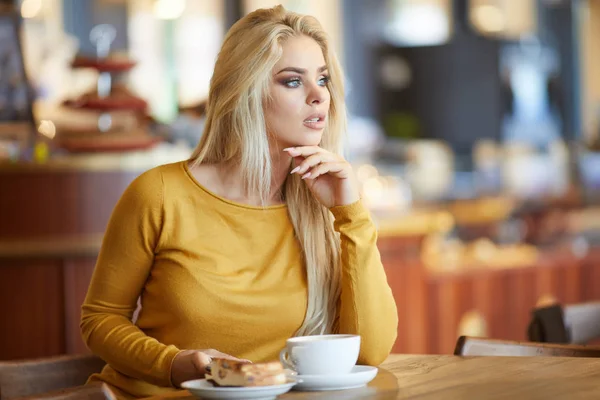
301	71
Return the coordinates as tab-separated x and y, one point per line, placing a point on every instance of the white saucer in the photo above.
358	377
205	390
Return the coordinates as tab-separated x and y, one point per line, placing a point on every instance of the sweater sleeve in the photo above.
123	265
367	306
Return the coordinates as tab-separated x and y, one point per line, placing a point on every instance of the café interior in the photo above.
474	133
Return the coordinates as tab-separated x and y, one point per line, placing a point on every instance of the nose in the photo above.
316	95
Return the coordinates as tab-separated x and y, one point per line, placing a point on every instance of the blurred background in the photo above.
474	131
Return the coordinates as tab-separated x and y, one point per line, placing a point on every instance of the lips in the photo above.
315	121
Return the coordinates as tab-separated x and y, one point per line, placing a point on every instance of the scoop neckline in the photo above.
222	199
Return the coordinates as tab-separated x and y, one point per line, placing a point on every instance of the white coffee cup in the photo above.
321	354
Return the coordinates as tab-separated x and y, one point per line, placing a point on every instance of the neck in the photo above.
232	183
280	164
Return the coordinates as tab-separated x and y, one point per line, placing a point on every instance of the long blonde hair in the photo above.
235	131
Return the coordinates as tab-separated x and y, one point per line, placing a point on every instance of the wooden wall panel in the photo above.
496	320
520	298
445	311
26	202
31	309
409	288
406	278
415	302
572	278
61	203
485	295
591	275
77	276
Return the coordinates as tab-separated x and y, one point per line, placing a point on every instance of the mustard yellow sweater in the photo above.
213	273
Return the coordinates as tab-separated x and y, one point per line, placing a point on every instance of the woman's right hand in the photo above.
191	364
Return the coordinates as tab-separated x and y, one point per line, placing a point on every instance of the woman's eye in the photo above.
292	83
296	82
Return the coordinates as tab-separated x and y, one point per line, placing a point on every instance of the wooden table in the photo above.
451	377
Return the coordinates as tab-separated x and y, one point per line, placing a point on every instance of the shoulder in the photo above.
148	188
154	179
147	183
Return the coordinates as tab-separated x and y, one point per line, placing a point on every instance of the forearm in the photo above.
125	347
367	306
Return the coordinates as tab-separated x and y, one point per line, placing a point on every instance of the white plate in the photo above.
358	377
205	390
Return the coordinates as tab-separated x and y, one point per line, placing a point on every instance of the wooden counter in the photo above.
70	247
131	161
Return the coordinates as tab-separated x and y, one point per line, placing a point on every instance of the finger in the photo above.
304	151
200	361
338	169
218	354
298	160
311	161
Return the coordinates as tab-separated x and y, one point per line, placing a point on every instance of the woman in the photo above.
260	236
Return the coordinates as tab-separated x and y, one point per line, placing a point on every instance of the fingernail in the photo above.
288	149
306	175
295	170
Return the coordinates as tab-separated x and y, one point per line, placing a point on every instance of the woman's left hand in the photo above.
329	177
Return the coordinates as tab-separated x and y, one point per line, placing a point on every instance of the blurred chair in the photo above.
476	346
574	323
35	377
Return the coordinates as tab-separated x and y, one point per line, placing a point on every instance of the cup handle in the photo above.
283	357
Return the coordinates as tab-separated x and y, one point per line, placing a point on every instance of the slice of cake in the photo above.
225	372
